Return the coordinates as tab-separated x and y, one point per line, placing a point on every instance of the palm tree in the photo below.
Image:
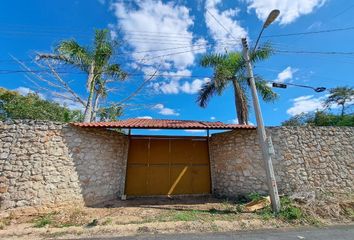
229	69
95	62
342	96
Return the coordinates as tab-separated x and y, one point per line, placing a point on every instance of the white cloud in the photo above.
164	110
194	86
315	25
168	88
226	19
305	104
62	98
290	10
235	121
212	118
194	130
286	74
308	103
65	101
24	91
175	87
152	26
144	117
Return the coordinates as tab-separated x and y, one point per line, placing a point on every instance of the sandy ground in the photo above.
134	216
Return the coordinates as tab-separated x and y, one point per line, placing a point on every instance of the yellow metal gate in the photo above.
168	166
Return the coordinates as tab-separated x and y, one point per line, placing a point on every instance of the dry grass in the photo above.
178	215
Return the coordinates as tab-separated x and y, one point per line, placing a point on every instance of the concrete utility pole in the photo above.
272	184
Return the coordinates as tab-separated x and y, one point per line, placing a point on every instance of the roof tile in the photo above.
163	124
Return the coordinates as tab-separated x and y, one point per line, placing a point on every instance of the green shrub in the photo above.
254	196
288	212
43	221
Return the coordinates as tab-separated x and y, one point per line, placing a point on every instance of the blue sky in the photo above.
158	31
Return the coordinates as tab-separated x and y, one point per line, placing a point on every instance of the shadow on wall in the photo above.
99	158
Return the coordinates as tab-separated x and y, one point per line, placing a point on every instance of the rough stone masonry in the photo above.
307	159
50	164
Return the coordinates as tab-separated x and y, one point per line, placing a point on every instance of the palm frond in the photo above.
51	56
265	90
212	60
115	71
103	47
74	54
262	53
235	61
222	76
205	93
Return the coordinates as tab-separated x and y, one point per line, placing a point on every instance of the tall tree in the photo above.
15	106
229	69
341	96
95	61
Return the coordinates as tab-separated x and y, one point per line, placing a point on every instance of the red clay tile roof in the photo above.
163	124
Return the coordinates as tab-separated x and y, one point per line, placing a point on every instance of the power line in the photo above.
216	20
315	52
308	33
342	12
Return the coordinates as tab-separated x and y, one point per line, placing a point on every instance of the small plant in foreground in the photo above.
43	221
288	212
255	196
185	216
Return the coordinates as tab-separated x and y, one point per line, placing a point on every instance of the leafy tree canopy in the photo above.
341	97
320	119
15	106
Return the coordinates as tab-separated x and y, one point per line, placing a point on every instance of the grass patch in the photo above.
61	220
209	215
289	212
185	216
254	196
43	220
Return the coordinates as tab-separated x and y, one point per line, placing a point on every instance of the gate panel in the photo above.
201	179
200	152
168	166
159	151
158	180
181	179
138	151
181	151
136	183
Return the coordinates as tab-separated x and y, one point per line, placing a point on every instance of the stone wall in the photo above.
307	159
44	163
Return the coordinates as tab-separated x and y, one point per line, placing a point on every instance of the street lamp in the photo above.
265	142
271	18
283	85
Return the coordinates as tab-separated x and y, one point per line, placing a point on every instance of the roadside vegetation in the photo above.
32	106
339	97
168	216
